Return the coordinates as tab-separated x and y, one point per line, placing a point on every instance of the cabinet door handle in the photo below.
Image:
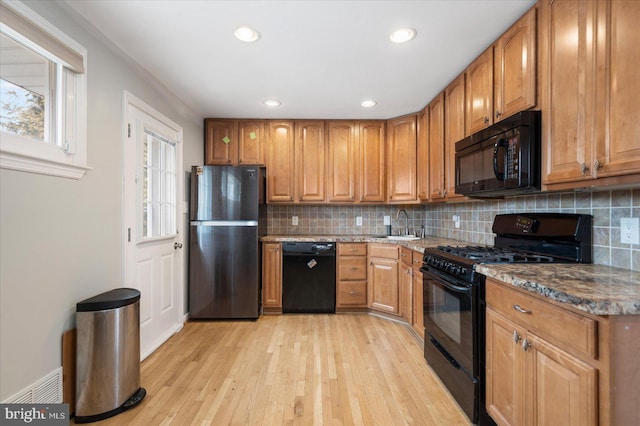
354	268
596	165
516	337
526	345
353	292
486	120
584	168
498	114
521	310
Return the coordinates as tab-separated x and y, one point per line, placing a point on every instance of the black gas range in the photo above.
454	303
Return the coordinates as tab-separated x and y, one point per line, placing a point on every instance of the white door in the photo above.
153	181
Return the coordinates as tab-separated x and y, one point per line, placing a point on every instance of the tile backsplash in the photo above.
476	218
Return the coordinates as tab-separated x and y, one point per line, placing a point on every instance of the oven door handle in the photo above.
444	353
446	282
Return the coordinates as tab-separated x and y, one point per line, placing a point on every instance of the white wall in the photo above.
60	239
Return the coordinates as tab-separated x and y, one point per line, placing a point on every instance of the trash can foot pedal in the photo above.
135	399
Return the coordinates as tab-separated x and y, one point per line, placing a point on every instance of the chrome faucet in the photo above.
406	224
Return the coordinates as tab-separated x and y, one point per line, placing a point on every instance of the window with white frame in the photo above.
42	96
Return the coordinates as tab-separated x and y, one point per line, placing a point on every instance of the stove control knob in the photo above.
463	271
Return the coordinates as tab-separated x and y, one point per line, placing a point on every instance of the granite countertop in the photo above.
418	245
596	289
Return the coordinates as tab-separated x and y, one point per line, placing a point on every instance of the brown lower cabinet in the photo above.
547	364
272	278
405	285
417	321
351	276
382	278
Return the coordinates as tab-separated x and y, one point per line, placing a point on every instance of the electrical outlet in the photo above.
456	221
294	220
387	220
358	220
630	230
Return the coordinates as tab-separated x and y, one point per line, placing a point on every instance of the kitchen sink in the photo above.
403	237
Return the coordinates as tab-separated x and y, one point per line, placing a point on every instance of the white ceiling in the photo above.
319	58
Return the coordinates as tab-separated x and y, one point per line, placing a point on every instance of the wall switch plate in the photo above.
387	220
294	220
358	220
630	230
456	221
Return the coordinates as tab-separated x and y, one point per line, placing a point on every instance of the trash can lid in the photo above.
112	299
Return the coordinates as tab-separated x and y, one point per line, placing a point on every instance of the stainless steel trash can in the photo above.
108	355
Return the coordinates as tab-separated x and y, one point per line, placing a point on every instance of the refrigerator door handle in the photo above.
224	223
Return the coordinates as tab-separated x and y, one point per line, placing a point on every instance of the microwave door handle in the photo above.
502	143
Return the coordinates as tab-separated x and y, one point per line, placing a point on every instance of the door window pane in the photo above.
158	186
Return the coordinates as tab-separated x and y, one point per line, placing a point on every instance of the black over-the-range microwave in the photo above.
501	160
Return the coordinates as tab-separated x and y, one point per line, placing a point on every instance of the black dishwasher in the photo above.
308	277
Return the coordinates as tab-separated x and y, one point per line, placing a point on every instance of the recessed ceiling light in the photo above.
368	103
247	34
402	35
272	103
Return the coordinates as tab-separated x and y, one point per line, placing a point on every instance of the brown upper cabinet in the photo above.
280	162
479	93
436	149
515	68
454	130
504	73
372	161
310	149
219	135
234	142
590	101
402	160
423	154
356	162
343	164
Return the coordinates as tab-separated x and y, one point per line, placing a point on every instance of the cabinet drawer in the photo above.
352	249
352	293
564	327
352	268
406	256
417	259
387	251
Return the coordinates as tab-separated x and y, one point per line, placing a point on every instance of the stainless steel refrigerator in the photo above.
227	218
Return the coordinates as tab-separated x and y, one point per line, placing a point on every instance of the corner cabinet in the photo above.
402	160
591	101
382	278
272	278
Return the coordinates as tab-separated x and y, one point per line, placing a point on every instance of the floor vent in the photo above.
47	390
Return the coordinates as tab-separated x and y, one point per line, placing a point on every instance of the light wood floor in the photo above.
292	370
